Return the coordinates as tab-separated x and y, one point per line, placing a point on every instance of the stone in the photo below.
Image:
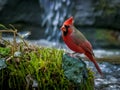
74	69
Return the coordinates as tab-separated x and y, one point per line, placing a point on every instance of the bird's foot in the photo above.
74	55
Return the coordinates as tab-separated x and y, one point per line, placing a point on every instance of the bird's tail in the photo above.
91	57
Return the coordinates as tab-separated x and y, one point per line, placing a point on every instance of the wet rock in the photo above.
74	69
100	13
20	11
2	63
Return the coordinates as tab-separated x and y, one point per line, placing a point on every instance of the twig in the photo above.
8	59
14	39
0	36
22	39
9	30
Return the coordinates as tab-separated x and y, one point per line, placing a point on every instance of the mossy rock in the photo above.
41	68
76	71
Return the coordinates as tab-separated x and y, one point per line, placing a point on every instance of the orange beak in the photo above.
63	28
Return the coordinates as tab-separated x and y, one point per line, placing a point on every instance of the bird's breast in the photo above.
72	45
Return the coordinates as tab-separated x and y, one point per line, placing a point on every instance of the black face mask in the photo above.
65	32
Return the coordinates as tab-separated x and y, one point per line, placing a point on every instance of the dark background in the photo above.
99	20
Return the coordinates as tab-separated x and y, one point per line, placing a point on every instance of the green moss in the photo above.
43	65
4	51
36	67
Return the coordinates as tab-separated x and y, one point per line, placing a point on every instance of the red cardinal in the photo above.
77	42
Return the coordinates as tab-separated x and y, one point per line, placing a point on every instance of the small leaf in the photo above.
3	27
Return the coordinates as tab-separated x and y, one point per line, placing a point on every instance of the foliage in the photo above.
4	51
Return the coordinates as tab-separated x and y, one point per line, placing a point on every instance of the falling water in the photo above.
54	16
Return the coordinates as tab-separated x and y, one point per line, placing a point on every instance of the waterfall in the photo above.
55	12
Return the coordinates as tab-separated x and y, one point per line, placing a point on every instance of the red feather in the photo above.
69	21
91	57
77	42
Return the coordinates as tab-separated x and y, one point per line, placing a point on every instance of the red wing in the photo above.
87	47
83	43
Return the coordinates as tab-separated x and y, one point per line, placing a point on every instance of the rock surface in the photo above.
74	69
100	13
